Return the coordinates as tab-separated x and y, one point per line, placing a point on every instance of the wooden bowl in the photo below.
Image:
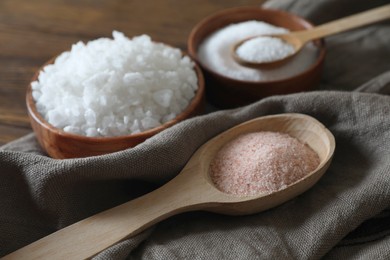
60	144
226	92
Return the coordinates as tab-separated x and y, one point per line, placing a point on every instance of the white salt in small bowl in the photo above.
225	91
60	144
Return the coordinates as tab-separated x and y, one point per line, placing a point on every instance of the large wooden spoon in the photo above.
299	38
191	190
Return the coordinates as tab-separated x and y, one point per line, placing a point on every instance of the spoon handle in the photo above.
90	236
343	24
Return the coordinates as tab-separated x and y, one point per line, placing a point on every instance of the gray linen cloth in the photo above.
345	215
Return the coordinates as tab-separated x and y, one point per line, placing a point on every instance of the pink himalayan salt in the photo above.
261	162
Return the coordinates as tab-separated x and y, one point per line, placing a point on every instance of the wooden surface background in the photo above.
31	32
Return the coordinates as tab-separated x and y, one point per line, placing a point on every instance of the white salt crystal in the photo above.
56	118
72	129
175	108
34	85
136	127
36	94
116	86
92	132
188	92
138	112
90	117
168	117
183	103
126	119
149	122
133	78
163	97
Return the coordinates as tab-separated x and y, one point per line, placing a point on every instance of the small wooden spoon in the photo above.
298	39
190	190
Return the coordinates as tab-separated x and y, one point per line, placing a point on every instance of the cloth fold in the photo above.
344	215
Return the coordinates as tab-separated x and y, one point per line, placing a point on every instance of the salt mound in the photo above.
215	53
112	87
261	163
264	49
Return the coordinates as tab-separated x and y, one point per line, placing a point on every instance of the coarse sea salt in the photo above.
112	87
261	163
264	49
215	53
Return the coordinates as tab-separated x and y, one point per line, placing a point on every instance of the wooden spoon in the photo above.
298	39
190	190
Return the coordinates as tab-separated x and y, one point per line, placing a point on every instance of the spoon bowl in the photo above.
298	39
192	189
290	38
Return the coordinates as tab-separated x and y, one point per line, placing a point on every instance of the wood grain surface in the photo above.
31	32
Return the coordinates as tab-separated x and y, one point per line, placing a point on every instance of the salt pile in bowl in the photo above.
113	87
216	49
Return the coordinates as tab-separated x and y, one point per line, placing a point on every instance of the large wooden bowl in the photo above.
60	144
225	92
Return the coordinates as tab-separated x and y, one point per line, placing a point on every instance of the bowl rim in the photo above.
191	107
193	52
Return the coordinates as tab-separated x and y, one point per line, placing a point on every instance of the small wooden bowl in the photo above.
60	144
226	92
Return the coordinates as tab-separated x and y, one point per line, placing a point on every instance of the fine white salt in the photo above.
215	53
261	162
111	87
264	49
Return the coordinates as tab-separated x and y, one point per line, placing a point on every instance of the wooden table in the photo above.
31	32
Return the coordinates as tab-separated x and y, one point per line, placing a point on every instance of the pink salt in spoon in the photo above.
299	38
190	190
